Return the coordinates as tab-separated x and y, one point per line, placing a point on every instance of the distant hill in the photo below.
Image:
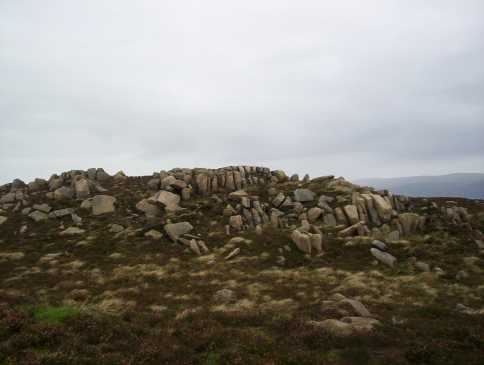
469	185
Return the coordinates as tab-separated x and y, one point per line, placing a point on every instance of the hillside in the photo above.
453	185
237	265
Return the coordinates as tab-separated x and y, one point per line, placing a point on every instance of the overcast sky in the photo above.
353	88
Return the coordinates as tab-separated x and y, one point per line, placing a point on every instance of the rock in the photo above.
149	209
224	296
194	247
361	325
8	198
11	255
116	228
26	210
393	236
280	175
383	257
294	178
59	213
316	241
81	187
76	219
38	184
352	213
175	230
314	214
358	307
303	195
42	207
102	204
63	192
154	184
410	222
232	254
334	327
72	231
422	266
329	220
383	208
120	176
38	216
302	241
236	222
3	220
379	244
153	234
169	200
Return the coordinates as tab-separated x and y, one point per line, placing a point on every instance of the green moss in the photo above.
54	315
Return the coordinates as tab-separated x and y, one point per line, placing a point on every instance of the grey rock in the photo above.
42	207
383	257
102	204
175	230
38	216
379	244
303	195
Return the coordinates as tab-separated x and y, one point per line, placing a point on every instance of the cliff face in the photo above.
201	248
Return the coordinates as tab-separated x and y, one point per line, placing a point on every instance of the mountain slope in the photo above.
469	185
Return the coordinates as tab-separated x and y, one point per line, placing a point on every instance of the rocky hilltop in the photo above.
192	258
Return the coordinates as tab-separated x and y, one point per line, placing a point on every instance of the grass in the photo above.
54	315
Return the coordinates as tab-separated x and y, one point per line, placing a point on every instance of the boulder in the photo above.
383	257
38	216
153	234
236	222
304	195
119	176
175	230
102	204
59	213
72	231
383	207
314	214
2	220
352	213
149	209
169	200
302	241
42	207
82	189
63	192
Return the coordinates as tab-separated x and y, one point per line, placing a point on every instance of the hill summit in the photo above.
222	264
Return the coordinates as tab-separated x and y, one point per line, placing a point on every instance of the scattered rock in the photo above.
153	234
176	230
383	257
72	231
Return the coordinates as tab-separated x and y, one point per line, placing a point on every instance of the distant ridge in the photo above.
465	185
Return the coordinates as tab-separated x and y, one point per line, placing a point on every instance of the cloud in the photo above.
350	88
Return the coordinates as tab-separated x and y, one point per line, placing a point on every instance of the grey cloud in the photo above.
350	88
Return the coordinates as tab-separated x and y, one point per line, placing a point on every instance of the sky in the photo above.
351	88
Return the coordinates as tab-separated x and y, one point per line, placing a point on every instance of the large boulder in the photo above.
38	216
82	189
169	200
382	206
352	213
102	204
176	230
383	257
38	184
304	195
63	192
302	241
149	209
